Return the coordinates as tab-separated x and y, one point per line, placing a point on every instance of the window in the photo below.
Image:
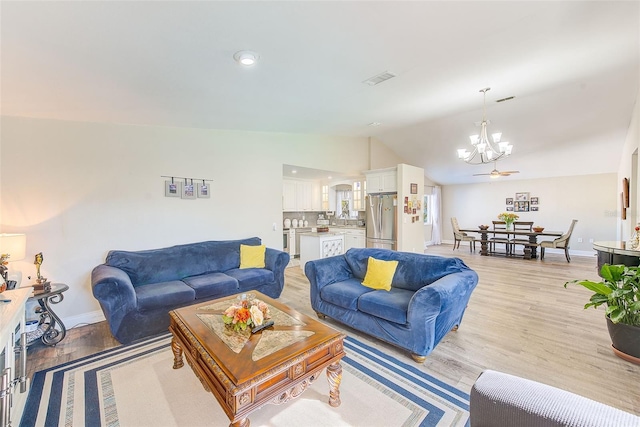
427	209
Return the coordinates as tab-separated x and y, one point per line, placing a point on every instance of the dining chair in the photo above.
523	240
499	238
459	236
561	242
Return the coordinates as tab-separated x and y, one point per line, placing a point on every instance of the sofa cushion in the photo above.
344	294
252	256
212	285
251	278
379	274
414	270
164	294
178	262
391	305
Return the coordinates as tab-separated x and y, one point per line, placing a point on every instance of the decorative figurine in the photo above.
4	260
41	282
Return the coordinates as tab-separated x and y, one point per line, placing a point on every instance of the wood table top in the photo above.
514	232
244	356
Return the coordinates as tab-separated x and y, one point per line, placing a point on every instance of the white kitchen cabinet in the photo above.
354	239
289	195
320	245
304	194
299	196
316	197
384	181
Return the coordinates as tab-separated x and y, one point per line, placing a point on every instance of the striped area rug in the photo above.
136	386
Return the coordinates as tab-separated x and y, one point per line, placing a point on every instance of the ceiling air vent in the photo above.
379	78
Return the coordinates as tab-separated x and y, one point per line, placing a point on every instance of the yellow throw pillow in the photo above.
379	274
252	256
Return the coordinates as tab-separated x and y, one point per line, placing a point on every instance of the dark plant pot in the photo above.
625	339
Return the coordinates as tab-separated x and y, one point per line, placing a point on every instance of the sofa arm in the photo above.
441	304
325	271
112	287
276	261
499	399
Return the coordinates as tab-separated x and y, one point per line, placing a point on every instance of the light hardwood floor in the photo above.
520	320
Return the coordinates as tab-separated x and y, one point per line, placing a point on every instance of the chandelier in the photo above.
485	150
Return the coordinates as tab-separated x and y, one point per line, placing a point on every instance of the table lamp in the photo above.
12	247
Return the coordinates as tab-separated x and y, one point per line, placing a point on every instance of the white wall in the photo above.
381	156
591	199
626	170
429	187
79	190
411	236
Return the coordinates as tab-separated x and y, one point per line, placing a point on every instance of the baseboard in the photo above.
83	319
546	251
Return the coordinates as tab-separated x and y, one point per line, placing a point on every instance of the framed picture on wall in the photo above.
522	197
509	201
188	191
534	201
522	207
414	188
203	191
534	208
509	208
172	189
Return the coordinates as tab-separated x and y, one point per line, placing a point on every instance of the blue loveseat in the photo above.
136	290
428	296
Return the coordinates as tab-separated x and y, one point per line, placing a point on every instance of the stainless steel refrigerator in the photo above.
381	221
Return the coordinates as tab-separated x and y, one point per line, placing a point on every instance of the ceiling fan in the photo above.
495	173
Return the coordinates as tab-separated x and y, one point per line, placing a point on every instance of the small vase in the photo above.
509	226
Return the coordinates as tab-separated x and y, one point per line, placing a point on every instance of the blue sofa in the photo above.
428	296
136	290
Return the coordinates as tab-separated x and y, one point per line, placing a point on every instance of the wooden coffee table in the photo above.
246	371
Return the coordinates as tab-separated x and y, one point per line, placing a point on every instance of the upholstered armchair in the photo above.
498	399
561	242
459	236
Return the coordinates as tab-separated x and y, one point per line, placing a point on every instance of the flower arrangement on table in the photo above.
508	218
635	238
247	312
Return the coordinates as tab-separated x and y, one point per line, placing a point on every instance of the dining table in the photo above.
530	250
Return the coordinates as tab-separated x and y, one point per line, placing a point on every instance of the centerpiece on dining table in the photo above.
246	314
508	218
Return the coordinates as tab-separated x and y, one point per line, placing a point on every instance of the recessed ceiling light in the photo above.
246	58
375	124
294	171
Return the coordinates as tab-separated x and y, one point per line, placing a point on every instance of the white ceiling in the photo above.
572	66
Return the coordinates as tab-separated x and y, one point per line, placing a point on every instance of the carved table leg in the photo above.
177	354
241	423
334	376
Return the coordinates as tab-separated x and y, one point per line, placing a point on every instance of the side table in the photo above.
54	331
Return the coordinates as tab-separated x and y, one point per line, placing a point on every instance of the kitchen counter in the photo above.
320	245
346	227
321	234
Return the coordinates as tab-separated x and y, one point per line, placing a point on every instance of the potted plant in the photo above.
508	218
620	292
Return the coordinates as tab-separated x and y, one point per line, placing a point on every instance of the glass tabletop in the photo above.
270	340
